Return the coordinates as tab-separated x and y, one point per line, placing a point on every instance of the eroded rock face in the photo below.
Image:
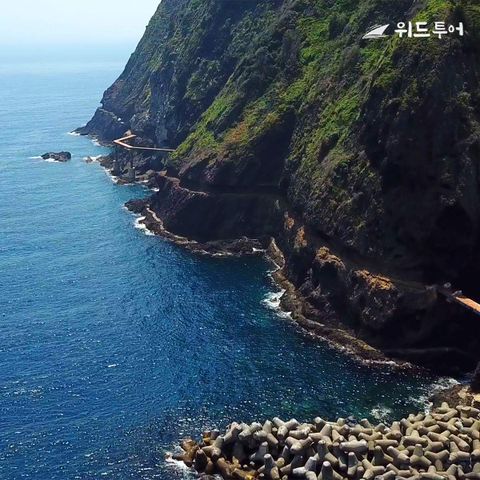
360	158
58	157
213	216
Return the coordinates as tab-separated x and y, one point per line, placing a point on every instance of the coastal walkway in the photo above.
459	298
121	142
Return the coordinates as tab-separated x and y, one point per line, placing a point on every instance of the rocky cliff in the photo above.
360	158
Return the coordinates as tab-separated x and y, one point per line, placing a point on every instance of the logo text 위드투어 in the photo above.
416	30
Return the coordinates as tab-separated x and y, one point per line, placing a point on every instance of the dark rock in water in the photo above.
58	157
136	206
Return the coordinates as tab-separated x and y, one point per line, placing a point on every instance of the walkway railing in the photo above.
459	298
121	142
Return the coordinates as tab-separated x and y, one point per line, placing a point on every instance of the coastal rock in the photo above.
58	157
205	216
243	246
135	206
105	126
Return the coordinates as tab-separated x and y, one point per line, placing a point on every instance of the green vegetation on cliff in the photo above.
374	143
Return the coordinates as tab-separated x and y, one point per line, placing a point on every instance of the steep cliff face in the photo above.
360	157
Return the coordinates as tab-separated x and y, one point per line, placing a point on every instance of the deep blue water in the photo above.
114	344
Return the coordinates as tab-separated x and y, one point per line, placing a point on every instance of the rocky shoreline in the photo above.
236	247
351	304
442	444
336	336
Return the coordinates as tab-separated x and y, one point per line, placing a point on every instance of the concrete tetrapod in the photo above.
444	444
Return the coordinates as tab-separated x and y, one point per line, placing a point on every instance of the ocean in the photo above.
115	344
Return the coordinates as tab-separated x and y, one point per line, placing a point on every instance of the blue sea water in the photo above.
115	344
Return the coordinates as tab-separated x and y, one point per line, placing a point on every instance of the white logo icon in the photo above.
376	32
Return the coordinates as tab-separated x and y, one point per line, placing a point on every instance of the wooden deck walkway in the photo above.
121	142
460	299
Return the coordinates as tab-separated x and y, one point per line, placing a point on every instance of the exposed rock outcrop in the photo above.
105	125
58	157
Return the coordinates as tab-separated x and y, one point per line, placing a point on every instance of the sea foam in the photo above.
179	467
381	413
139	225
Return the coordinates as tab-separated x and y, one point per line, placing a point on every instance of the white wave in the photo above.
155	189
219	254
74	134
272	300
186	472
443	383
139	225
113	178
48	160
381	412
113	365
258	250
96	142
